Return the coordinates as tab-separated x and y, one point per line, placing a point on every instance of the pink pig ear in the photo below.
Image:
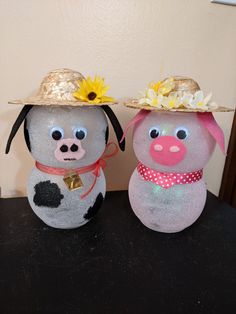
139	116
209	122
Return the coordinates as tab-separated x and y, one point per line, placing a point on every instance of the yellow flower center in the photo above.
171	103
155	102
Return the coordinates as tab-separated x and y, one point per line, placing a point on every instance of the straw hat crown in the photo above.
185	84
60	84
57	89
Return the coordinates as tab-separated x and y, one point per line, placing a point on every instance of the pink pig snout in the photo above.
69	150
167	150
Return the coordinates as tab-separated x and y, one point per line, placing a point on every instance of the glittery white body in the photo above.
166	210
70	210
173	209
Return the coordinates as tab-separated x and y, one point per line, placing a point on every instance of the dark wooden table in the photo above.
116	265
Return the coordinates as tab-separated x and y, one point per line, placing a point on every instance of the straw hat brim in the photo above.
38	101
133	103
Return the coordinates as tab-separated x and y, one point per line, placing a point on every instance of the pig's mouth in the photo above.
69	159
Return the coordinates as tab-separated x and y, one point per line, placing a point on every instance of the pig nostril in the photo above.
74	148
64	148
174	149
158	148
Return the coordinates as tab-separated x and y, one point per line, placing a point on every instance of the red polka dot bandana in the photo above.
167	180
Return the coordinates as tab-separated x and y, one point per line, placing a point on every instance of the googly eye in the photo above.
181	133
57	133
80	133
154	132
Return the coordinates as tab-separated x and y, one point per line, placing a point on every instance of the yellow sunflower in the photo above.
93	91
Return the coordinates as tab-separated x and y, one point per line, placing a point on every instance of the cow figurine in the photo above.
174	137
66	131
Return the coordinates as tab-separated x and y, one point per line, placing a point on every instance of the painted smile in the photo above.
69	159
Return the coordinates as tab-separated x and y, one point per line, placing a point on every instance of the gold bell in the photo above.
73	181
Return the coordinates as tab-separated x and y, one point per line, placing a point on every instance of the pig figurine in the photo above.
66	131
174	136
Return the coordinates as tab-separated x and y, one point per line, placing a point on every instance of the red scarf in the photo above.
168	179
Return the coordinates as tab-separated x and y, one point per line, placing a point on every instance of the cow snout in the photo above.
69	150
167	150
64	148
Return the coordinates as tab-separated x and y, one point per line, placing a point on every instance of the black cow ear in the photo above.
21	117
116	125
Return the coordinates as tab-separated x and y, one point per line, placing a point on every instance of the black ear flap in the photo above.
116	125
17	124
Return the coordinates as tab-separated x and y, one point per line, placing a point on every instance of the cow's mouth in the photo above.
69	159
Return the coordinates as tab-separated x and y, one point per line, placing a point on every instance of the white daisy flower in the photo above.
186	99
199	102
151	98
173	101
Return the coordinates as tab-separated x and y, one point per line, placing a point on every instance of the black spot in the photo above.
106	135
92	211
26	134
47	194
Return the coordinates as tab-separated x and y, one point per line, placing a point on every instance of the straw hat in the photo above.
175	94
57	89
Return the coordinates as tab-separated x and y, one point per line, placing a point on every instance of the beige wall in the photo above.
128	42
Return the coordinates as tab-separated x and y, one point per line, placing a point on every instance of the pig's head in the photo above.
175	141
